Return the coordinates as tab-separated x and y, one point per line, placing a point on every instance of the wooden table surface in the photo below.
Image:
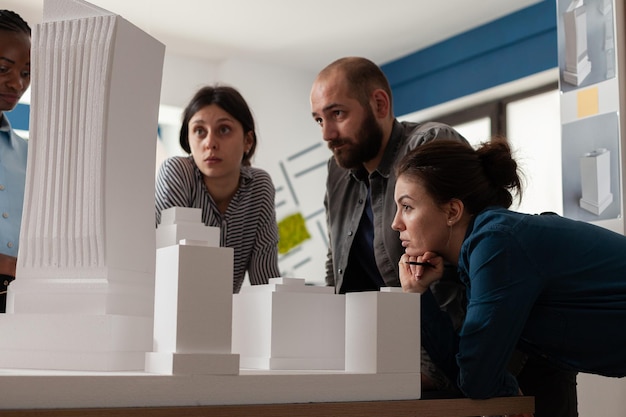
454	407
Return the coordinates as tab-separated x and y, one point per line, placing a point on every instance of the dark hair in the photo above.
13	22
362	76
479	178
232	102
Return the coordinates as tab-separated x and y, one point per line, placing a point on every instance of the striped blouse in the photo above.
248	226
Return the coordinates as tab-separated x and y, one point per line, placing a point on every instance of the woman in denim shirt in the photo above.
549	286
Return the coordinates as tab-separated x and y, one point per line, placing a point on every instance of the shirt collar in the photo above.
389	156
246	175
5	126
5	130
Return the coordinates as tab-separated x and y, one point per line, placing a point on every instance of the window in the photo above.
531	123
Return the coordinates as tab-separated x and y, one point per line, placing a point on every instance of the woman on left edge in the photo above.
218	133
14	81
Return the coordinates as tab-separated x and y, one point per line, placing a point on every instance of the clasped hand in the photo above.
418	272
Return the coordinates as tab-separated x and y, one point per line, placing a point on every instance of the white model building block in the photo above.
577	64
180	215
595	176
286	325
193	311
179	223
169	235
87	243
383	331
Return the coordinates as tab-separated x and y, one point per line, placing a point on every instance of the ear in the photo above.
381	103
454	211
248	140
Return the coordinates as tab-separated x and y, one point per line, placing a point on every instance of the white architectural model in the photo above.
383	332
288	325
284	325
595	177
577	64
84	305
193	302
83	294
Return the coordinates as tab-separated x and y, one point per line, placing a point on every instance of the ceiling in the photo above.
295	33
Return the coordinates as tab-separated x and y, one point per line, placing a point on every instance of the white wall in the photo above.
182	76
600	396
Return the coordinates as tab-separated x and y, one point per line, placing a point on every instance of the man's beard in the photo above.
368	140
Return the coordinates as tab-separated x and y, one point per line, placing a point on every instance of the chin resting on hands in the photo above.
418	272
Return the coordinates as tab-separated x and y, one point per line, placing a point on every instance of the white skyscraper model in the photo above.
83	294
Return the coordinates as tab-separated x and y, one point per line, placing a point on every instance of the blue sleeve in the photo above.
439	338
503	289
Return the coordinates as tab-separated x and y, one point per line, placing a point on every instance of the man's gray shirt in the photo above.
346	194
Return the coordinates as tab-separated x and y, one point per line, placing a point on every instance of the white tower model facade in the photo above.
87	248
577	64
595	180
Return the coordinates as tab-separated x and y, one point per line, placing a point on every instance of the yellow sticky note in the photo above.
292	232
588	102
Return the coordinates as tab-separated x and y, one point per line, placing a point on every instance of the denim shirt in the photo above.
346	191
552	286
13	155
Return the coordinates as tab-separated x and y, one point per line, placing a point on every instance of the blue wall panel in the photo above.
513	47
19	116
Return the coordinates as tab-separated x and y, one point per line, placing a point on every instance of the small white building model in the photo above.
577	64
288	325
595	177
193	298
383	331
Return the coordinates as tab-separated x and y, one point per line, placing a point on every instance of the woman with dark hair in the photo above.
218	133
552	287
14	81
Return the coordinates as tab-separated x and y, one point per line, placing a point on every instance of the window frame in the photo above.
495	110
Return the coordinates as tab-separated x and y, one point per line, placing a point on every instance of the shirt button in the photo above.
360	201
350	233
6	282
5	215
340	271
10	245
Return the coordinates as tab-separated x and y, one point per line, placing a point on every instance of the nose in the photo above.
210	142
17	82
396	224
329	131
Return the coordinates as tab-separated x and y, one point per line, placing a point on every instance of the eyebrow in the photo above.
404	197
221	119
12	62
327	108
